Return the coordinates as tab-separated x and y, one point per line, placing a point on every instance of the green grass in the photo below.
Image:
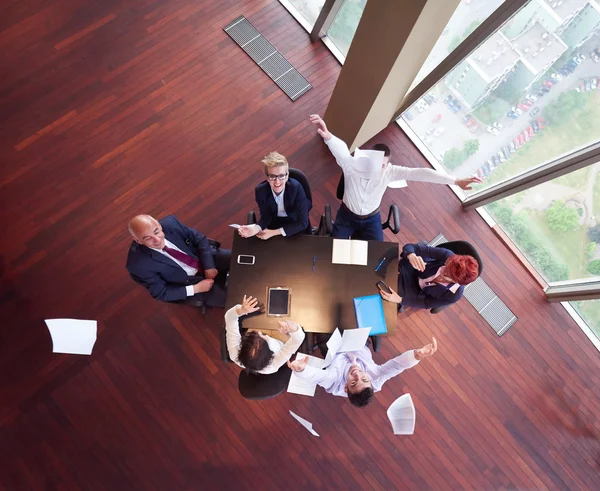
590	312
491	111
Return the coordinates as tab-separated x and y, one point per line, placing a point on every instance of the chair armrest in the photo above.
251	219
437	310
214	243
393	220
224	352
376	340
325	224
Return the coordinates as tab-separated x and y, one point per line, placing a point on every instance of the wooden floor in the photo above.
112	108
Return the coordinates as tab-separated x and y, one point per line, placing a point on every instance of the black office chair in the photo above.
464	248
303	180
393	218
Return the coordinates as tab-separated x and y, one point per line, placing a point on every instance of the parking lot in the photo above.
455	133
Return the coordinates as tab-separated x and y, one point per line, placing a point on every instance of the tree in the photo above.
593	234
561	218
594	267
561	110
471	146
453	158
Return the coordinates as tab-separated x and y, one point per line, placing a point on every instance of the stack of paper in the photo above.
402	415
350	252
301	386
72	336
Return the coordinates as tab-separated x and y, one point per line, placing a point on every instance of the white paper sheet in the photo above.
332	347
307	424
350	252
301	386
354	339
397	184
234	225
402	415
72	336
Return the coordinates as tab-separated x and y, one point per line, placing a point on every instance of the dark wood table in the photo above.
321	299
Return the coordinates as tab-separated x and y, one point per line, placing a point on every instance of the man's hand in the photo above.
298	365
321	126
203	286
465	182
249	305
416	261
426	350
391	297
211	273
286	327
267	234
248	230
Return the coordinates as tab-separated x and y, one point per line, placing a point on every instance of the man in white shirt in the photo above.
355	375
255	351
366	177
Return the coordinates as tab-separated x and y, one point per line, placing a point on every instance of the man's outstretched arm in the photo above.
406	360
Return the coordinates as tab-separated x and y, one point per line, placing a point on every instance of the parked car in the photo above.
593	84
516	110
541	123
595	55
588	86
430	131
556	77
474	128
536	126
563	71
521	139
408	116
512	114
531	98
456	108
447	99
522	107
505	152
432	96
470	122
580	87
516	143
436	118
544	89
547	83
526	103
534	111
497	125
485	171
581	57
492	130
513	147
495	160
530	131
479	173
466	118
501	157
439	131
526	136
577	60
428	140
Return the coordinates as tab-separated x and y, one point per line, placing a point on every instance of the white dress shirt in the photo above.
280	210
363	196
333	378
189	290
281	352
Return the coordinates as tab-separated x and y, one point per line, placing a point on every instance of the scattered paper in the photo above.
234	225
402	415
72	336
302	386
303	422
354	339
397	184
334	342
350	252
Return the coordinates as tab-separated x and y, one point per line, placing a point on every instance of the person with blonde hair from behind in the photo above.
281	201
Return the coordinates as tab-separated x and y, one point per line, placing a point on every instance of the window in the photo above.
517	107
306	11
589	311
554	224
344	25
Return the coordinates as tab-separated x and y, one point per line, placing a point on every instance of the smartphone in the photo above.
246	259
382	286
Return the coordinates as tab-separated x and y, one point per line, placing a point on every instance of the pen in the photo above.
379	265
314	261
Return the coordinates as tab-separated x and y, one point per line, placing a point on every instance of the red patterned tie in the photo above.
183	257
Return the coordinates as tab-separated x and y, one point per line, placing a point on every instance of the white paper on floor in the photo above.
402	415
72	336
303	422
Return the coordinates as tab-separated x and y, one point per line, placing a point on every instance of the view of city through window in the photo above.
309	9
344	25
528	95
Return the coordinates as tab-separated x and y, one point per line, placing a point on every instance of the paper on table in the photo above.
397	184
402	415
303	422
350	252
72	336
354	339
301	386
234	225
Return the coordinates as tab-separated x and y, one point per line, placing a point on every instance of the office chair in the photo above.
464	248
393	218
256	386
303	180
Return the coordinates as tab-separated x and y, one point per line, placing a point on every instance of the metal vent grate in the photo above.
267	57
485	301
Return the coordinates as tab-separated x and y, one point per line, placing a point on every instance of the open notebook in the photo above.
350	252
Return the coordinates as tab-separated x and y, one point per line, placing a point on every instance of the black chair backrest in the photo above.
303	180
465	248
339	193
257	387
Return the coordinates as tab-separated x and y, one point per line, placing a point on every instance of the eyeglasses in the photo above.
273	177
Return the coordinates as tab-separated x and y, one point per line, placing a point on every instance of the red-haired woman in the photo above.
430	277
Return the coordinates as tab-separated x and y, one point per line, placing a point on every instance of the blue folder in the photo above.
369	313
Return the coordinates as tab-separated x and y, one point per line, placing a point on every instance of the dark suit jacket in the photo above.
295	202
430	296
163	277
